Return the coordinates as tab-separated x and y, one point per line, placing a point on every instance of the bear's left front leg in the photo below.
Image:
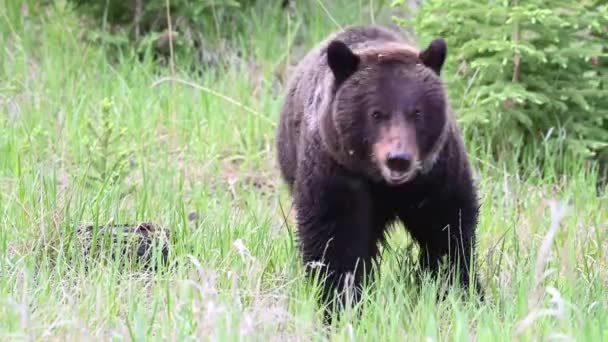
446	226
334	216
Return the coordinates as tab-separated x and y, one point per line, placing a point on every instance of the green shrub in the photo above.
144	22
151	15
524	73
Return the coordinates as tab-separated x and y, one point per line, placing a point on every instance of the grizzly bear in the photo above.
366	139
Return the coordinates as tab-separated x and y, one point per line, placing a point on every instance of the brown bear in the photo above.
366	138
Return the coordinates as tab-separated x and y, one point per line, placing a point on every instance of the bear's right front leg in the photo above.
335	228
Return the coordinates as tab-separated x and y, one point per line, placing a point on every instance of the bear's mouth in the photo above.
397	177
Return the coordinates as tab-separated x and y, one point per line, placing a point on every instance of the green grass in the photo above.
239	274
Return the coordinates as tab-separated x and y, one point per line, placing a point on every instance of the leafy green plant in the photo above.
145	22
525	72
108	160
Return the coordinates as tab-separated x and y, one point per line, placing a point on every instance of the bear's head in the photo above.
388	117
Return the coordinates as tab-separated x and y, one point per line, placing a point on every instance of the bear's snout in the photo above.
396	153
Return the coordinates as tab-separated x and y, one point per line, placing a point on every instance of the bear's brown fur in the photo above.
366	137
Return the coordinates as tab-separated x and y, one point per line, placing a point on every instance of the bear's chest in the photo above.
395	200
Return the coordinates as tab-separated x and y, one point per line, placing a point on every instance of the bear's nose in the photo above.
398	161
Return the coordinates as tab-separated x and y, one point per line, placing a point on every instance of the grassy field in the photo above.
85	138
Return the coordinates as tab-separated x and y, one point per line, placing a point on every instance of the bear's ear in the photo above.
341	60
434	55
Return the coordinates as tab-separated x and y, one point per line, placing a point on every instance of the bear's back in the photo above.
361	37
313	72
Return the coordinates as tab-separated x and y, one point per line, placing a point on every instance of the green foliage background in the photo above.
523	73
89	135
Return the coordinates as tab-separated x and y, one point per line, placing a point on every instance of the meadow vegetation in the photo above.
95	131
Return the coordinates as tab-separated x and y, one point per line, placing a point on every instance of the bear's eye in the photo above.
417	114
378	115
